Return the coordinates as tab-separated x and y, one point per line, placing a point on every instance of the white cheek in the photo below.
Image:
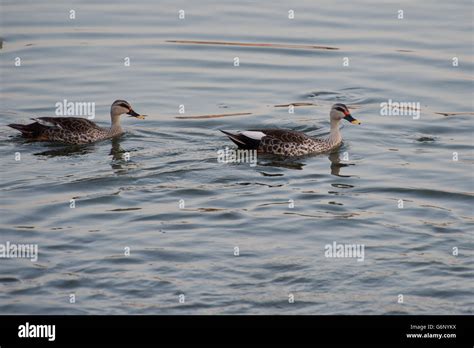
337	115
254	135
118	110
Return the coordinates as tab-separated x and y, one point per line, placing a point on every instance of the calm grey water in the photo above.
134	203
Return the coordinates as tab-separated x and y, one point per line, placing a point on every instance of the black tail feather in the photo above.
21	127
242	141
234	138
27	130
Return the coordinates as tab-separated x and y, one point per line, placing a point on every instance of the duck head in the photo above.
339	112
120	107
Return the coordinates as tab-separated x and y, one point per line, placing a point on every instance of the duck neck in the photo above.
115	128
335	135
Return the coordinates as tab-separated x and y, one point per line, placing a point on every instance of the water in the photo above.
190	251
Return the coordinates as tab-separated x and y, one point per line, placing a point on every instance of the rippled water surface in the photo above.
349	196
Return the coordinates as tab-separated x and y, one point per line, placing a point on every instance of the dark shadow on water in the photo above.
67	150
121	162
117	152
296	163
282	163
336	164
55	150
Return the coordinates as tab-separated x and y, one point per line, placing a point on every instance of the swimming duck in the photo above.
292	143
75	130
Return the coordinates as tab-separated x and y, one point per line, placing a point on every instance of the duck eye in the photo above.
124	106
340	109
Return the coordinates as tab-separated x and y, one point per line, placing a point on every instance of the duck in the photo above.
290	143
76	130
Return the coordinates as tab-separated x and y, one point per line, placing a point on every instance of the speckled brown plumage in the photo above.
292	143
71	130
286	142
75	130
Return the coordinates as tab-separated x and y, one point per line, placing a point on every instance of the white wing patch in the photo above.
46	123
253	135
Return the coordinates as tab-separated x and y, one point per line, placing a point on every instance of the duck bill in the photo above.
132	113
351	119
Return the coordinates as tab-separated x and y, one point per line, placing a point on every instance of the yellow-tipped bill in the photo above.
351	119
132	113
